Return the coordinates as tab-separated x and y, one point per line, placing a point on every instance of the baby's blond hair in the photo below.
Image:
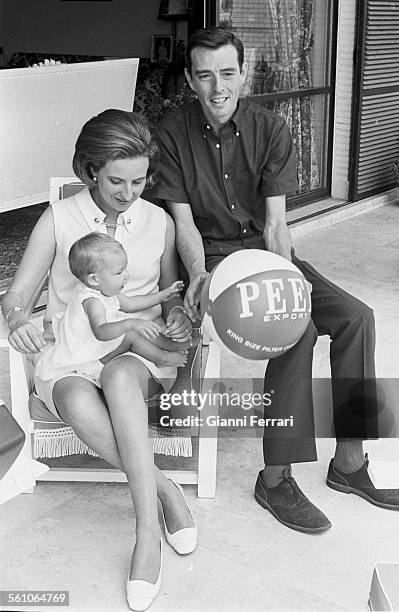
87	254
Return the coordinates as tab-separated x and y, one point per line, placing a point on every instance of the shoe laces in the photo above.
287	477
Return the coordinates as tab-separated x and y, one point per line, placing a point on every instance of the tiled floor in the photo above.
79	537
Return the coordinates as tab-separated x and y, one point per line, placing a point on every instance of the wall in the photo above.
343	98
42	111
119	28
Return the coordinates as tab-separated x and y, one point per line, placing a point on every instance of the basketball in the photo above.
256	304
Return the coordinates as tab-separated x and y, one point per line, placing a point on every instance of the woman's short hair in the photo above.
213	38
113	134
88	254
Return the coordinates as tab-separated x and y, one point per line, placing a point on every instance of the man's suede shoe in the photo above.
359	483
290	505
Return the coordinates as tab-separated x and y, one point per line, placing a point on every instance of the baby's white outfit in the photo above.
76	349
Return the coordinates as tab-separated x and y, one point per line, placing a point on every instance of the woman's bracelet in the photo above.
13	309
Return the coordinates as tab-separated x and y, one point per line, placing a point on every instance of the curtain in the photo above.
292	70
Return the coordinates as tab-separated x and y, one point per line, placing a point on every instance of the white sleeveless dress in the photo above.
141	230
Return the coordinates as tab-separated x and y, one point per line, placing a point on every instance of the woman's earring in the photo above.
95	179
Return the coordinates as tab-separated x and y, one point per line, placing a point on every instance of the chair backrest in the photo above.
63	187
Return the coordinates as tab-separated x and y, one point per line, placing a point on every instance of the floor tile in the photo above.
187	581
256	588
82	545
29	507
238	530
337	565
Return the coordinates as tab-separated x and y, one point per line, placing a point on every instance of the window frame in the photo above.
319	193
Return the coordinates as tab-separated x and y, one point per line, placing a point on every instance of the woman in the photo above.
112	157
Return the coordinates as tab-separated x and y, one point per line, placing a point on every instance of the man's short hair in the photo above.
214	38
88	254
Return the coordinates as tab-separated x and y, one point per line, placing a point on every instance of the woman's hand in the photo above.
26	337
178	325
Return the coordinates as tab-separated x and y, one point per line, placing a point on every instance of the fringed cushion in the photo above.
53	438
62	441
58	442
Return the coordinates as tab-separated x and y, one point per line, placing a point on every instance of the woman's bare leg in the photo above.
125	387
81	405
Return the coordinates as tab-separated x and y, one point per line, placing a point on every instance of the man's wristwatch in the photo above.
13	309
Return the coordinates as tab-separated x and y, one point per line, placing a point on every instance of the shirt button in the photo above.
218	146
96	220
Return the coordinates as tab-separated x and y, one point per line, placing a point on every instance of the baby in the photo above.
93	329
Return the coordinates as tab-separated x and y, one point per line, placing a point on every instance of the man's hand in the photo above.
193	295
148	329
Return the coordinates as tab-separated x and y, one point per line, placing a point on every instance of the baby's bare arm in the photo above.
108	330
141	302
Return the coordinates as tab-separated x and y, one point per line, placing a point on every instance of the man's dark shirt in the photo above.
225	180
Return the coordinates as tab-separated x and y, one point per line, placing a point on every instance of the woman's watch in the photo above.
13	309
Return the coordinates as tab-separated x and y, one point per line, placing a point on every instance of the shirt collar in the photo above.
94	216
235	121
237	118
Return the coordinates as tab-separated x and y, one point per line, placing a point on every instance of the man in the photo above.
226	166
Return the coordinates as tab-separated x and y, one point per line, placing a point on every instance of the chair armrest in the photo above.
3	329
30	307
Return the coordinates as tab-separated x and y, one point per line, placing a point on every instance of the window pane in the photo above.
287	49
286	42
307	117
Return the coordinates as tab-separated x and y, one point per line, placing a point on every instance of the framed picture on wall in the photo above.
174	9
161	48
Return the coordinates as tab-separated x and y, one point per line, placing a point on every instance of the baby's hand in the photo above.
172	291
148	329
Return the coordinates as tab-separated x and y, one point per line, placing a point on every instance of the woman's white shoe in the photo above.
184	541
140	593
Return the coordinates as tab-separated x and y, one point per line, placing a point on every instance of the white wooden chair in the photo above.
44	431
